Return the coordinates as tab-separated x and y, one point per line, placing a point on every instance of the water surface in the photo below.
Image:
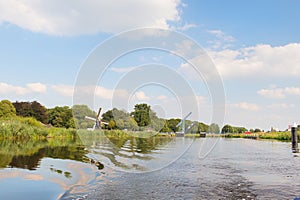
150	168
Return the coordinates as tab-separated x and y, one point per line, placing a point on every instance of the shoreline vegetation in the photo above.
27	128
31	120
281	136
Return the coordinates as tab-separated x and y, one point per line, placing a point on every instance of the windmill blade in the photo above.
99	113
190	126
90	118
179	124
187	116
104	123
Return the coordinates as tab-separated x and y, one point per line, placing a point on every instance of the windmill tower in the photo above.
97	121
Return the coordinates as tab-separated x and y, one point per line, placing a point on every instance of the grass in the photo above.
282	136
30	128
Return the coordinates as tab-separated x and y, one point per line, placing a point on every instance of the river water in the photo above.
153	168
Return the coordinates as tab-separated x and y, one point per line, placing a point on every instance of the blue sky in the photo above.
255	46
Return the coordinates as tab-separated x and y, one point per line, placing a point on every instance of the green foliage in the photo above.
31	109
119	119
30	128
79	112
257	130
227	129
166	128
7	109
61	117
240	130
231	129
214	128
202	127
172	123
156	123
141	114
282	136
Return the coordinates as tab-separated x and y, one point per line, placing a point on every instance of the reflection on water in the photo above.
70	165
28	154
42	169
132	154
235	169
97	168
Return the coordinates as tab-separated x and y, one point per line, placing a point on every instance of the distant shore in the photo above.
281	136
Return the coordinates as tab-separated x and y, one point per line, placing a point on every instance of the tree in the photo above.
165	128
214	128
31	109
7	109
257	130
172	123
141	114
227	129
61	117
202	127
79	112
119	119
239	129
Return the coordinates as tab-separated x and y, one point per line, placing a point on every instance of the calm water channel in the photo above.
151	168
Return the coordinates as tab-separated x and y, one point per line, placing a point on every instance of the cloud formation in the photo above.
8	89
259	61
76	17
245	106
279	93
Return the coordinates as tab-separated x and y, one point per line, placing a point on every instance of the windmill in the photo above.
190	127
182	123
97	121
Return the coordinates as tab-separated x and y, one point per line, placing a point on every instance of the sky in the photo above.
254	45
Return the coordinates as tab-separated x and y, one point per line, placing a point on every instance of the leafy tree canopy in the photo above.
80	111
141	114
214	128
61	117
31	109
7	109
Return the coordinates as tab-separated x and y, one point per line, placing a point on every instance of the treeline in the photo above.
142	118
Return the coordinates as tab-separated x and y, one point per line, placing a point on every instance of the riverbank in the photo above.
281	136
29	128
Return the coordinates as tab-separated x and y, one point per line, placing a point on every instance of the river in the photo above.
150	168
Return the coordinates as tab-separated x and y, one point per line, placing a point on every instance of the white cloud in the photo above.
6	89
281	106
245	106
64	90
161	97
98	91
279	93
186	27
75	17
259	61
222	40
140	96
37	87
272	93
221	35
105	93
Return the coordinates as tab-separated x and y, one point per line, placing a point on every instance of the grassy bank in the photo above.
29	128
282	136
